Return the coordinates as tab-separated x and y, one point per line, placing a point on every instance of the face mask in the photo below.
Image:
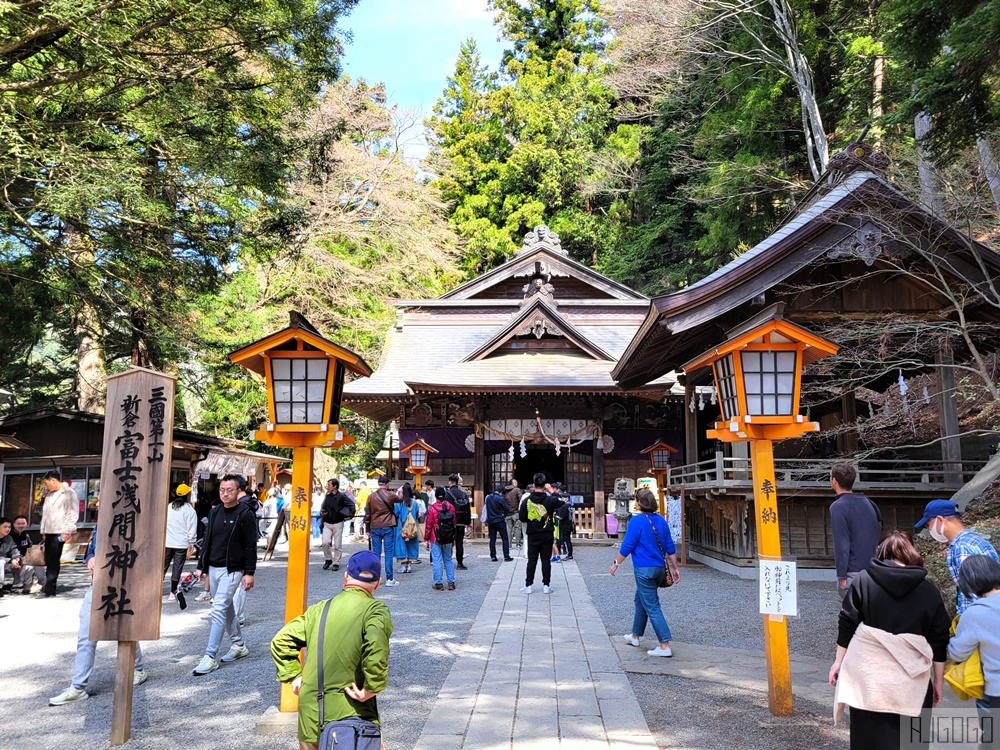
937	535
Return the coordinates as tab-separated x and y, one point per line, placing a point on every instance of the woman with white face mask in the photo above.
943	521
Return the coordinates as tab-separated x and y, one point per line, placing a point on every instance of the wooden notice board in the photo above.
132	520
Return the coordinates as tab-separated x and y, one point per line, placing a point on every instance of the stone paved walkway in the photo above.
538	671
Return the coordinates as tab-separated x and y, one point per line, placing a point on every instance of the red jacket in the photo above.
430	526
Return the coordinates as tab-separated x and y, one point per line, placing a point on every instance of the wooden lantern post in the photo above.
304	374
758	376
659	464
418	451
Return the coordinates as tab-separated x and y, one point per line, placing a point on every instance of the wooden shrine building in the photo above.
510	374
860	263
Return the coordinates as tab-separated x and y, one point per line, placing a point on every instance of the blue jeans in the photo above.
441	553
647	603
385	537
226	609
86	649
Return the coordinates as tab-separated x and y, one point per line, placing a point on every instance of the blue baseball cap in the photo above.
364	566
937	508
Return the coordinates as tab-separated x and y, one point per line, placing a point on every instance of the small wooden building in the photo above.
510	374
856	253
71	442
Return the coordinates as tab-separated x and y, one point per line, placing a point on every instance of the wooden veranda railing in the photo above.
890	474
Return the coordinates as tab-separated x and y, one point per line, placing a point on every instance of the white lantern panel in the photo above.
299	388
283	413
769	380
314	413
282	390
299	413
281	368
315	390
317	369
725	376
298	369
298	391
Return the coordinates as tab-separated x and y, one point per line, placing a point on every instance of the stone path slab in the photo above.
537	672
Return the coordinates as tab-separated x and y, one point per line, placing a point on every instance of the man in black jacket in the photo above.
229	555
537	513
463	517
337	507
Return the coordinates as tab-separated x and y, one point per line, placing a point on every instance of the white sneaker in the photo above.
660	651
206	665
69	695
204	596
631	640
139	677
171	597
236	652
526	589
546	589
392	582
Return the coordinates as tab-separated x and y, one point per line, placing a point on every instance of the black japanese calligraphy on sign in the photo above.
157	412
768	515
123	525
115	603
121	558
299	523
130	411
767	488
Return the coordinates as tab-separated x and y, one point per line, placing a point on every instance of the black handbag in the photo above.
668	577
353	733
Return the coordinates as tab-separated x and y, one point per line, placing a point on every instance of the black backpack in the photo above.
445	532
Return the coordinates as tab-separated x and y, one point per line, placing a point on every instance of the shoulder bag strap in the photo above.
653	527
320	684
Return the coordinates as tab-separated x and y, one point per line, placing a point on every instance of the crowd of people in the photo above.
893	638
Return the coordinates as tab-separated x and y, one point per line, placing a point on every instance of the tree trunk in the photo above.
90	387
878	77
930	185
990	169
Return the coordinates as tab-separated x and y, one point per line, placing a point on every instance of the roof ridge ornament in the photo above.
542	238
855	157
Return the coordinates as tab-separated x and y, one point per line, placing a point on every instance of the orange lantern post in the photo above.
659	464
418	451
304	376
758	376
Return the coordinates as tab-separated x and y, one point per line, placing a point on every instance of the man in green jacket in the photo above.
356	646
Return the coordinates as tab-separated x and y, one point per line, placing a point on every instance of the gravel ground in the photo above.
175	709
715	609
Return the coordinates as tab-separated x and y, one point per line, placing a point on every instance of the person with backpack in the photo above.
347	659
439	534
537	513
463	517
380	523
564	517
408	530
496	518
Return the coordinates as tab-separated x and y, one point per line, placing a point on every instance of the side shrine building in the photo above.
544	364
510	374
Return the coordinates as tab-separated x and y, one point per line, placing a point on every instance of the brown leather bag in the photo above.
35	556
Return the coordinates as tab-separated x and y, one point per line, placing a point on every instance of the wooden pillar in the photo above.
297	587
479	472
847	442
951	446
690	426
600	504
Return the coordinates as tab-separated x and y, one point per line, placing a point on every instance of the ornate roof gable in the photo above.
538	318
542	257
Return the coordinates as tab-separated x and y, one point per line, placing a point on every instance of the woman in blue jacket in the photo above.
648	541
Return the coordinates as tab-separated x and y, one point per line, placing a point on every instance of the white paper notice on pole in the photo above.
779	588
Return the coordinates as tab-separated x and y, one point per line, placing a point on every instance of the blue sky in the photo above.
412	45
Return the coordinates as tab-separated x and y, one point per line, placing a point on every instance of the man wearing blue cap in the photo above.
356	643
944	522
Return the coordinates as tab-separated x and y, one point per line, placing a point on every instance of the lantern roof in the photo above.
300	335
659	445
418	443
767	328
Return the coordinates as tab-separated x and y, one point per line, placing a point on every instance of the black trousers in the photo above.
539	547
53	553
501	529
177	556
459	544
566	539
872	730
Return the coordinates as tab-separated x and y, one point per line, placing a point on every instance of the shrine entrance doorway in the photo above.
539	458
